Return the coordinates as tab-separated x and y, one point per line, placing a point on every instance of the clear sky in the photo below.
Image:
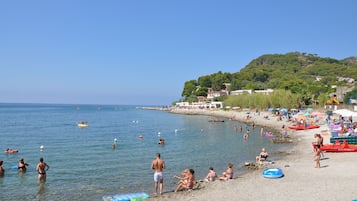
143	51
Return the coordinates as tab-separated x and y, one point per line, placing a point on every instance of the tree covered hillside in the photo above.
306	74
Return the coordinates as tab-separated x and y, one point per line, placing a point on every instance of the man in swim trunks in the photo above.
158	165
41	169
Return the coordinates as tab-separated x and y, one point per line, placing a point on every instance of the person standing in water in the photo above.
21	166
41	169
2	171
158	165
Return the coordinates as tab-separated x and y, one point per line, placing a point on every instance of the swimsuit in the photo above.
264	156
158	176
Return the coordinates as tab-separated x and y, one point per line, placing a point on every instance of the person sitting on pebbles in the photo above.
262	156
228	174
212	175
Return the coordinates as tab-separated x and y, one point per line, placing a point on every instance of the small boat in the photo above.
82	124
337	147
300	127
216	120
273	173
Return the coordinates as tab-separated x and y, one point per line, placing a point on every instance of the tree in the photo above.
350	95
189	88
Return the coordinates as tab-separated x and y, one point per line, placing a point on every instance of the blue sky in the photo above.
143	51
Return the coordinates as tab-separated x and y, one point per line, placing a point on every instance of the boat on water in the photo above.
216	120
82	124
337	147
301	127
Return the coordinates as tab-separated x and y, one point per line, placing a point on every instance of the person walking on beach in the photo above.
158	165
317	156
41	169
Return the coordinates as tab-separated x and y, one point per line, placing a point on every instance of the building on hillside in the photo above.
201	99
266	92
197	105
240	92
211	94
346	79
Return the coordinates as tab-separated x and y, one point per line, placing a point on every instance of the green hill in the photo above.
300	73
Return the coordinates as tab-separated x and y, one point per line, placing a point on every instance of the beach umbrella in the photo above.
300	116
284	110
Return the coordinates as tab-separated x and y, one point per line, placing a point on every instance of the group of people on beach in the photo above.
41	169
186	180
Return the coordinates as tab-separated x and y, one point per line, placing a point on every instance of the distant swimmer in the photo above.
161	141
235	128
115	140
141	137
42	148
246	135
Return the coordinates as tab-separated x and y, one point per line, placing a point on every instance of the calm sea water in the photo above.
83	165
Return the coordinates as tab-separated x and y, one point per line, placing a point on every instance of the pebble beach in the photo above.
334	181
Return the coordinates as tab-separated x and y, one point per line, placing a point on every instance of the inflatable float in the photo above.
300	127
273	173
11	151
337	147
126	197
268	134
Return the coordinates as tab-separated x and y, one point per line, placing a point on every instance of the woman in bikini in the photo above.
41	169
189	181
21	166
228	174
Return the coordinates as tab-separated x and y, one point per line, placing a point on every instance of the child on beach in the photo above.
317	156
212	175
228	174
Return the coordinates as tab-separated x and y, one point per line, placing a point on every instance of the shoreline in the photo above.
301	181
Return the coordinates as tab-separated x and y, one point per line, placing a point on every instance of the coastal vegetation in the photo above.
297	78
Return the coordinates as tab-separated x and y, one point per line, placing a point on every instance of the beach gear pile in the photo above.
126	197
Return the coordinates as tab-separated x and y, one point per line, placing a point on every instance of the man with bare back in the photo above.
158	165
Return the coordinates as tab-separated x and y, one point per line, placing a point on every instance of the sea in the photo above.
83	164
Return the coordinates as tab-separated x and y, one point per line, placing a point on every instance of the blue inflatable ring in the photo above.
273	173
